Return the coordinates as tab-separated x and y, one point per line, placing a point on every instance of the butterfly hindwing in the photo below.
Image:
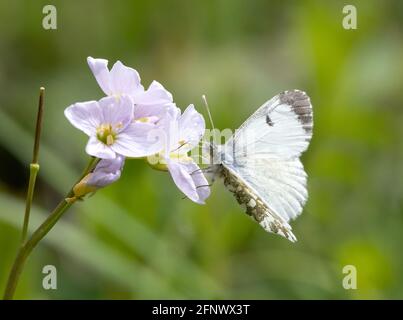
255	206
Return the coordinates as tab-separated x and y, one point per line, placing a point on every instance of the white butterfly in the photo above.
260	163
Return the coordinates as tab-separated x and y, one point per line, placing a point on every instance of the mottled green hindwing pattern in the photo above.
254	206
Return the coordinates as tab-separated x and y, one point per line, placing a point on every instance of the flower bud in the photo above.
106	172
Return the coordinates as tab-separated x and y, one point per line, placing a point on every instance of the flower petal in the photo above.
154	113
191	127
97	149
143	112
155	102
170	126
106	172
99	68
156	94
202	185
117	111
139	140
189	180
85	116
111	165
183	180
124	80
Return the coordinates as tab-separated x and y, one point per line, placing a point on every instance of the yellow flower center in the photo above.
144	119
106	134
158	161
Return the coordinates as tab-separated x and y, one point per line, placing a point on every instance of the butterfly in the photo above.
260	163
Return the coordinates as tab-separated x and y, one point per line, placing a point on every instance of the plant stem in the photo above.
33	171
27	248
38	128
34	166
38	235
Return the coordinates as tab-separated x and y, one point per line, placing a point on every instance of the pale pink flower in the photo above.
109	124
183	133
149	105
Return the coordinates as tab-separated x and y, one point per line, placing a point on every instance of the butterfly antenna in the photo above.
208	111
210	144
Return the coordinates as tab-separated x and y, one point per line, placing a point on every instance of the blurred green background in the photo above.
138	239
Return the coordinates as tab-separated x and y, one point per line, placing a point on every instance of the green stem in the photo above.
38	235
38	127
34	166
33	172
27	248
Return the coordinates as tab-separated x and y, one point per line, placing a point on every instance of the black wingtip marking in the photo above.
301	105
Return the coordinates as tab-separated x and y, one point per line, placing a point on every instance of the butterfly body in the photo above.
260	163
